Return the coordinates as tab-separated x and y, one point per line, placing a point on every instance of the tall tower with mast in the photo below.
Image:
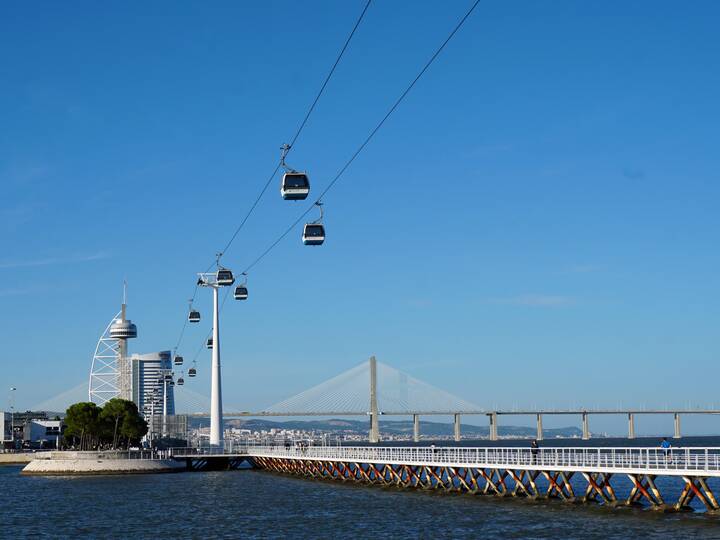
111	370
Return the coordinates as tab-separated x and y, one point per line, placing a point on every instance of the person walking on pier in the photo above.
534	450
666	448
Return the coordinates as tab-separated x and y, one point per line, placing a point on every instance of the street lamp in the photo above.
153	398
167	379
11	399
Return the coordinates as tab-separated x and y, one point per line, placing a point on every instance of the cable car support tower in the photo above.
215	280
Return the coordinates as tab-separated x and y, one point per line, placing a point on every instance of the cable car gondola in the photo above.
168	377
192	372
172	383
180	381
224	277
241	292
178	360
194	316
295	186
314	233
210	343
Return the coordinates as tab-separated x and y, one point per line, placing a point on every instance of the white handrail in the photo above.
638	458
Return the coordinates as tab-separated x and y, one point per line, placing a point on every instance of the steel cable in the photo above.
292	143
367	139
301	127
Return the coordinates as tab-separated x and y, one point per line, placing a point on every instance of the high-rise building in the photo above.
152	391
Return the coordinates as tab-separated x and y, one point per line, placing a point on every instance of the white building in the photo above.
5	429
31	428
42	431
152	392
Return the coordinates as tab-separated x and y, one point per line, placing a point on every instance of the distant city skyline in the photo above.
535	226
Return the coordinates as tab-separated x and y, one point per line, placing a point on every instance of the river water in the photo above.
259	504
256	504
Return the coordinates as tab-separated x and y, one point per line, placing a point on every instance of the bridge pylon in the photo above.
374	435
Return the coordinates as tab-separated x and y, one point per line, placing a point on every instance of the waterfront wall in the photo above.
89	463
15	458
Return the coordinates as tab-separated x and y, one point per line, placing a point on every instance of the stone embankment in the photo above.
89	463
16	458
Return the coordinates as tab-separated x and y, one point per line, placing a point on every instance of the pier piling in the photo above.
552	473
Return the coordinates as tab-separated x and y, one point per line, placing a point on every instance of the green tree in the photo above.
83	423
120	419
134	428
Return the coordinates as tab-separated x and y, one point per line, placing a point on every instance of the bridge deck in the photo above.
679	462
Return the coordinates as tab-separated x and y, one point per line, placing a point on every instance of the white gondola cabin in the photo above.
295	186
313	234
241	292
225	277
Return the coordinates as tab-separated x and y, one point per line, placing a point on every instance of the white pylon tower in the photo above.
221	278
110	373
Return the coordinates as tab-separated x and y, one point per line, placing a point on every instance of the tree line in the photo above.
117	424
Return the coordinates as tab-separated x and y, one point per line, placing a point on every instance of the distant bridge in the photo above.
373	389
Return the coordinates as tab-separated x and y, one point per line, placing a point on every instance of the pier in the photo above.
572	475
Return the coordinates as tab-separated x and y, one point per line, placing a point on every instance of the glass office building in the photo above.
150	389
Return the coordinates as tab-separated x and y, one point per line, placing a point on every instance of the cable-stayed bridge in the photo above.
369	384
375	389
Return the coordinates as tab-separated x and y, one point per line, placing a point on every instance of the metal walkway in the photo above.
617	460
501	472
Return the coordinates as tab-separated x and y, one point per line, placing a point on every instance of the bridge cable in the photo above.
367	139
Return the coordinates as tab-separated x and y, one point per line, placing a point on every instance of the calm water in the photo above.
256	504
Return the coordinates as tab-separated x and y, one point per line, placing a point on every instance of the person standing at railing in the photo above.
667	449
534	450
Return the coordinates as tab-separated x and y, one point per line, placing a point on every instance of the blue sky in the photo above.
536	225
